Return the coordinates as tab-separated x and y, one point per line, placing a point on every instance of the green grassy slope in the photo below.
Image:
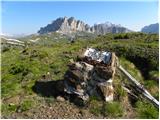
21	67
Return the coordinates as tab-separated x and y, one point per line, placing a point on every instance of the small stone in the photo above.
60	99
19	110
11	104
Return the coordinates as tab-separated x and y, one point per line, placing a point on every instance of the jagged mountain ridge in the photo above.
65	25
107	27
69	25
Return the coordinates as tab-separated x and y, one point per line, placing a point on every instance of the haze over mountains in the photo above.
70	25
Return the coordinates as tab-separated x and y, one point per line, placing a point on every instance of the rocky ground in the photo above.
59	108
55	110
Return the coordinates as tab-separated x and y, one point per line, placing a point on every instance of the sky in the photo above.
26	17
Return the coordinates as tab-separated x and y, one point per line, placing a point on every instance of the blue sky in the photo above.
28	17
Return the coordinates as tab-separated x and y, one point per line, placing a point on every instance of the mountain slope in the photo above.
69	25
152	28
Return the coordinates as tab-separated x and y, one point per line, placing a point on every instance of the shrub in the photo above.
150	84
132	69
95	98
146	111
113	109
8	108
95	107
154	75
121	36
26	105
19	68
120	91
43	54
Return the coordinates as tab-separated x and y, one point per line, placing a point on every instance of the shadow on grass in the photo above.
54	89
49	88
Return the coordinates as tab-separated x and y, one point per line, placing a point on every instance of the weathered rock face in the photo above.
107	90
65	25
68	25
91	78
76	79
108	28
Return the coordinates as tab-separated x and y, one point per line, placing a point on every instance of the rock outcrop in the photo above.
89	77
69	25
65	25
107	27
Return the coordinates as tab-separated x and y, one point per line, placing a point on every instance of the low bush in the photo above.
121	36
95	107
154	75
26	105
113	109
146	110
19	68
120	92
8	108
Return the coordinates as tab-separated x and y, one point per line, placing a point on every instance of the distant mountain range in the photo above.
15	36
152	28
69	25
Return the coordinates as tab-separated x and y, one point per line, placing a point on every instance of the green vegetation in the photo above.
109	110
121	36
23	66
113	109
132	69
8	108
26	105
95	107
120	92
146	111
154	75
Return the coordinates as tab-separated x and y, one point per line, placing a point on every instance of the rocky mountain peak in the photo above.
67	25
64	25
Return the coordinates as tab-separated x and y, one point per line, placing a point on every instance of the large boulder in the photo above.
92	76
